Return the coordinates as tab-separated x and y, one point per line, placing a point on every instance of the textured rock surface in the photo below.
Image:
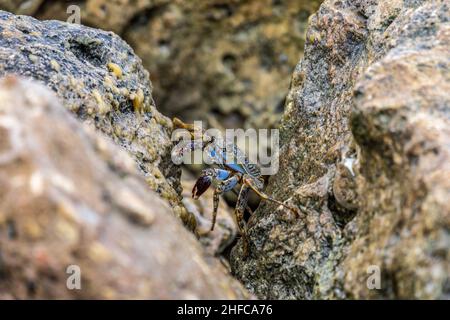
101	80
371	98
70	197
226	60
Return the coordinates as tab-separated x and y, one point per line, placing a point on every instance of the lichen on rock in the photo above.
365	157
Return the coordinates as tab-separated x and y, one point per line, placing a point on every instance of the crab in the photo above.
230	168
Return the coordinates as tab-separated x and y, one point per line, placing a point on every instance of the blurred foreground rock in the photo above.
100	79
70	197
366	156
209	60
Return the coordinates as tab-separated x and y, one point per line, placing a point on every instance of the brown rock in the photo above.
208	60
372	95
103	14
71	198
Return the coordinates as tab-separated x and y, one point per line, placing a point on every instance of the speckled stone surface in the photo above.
365	156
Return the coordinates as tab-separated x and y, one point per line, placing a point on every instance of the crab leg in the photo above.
184	147
222	187
216	206
246	207
266	197
239	212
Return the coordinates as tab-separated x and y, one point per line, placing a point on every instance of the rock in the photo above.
365	156
238	74
108	15
73	201
101	80
208	60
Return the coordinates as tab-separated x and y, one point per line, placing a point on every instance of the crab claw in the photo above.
201	186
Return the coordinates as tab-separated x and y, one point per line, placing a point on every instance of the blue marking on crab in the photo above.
222	174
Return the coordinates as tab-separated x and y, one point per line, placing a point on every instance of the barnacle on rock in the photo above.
115	69
103	107
138	100
55	65
33	58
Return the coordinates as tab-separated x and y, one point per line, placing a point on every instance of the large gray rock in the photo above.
70	197
365	156
100	79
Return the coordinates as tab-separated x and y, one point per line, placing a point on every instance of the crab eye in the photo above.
201	186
